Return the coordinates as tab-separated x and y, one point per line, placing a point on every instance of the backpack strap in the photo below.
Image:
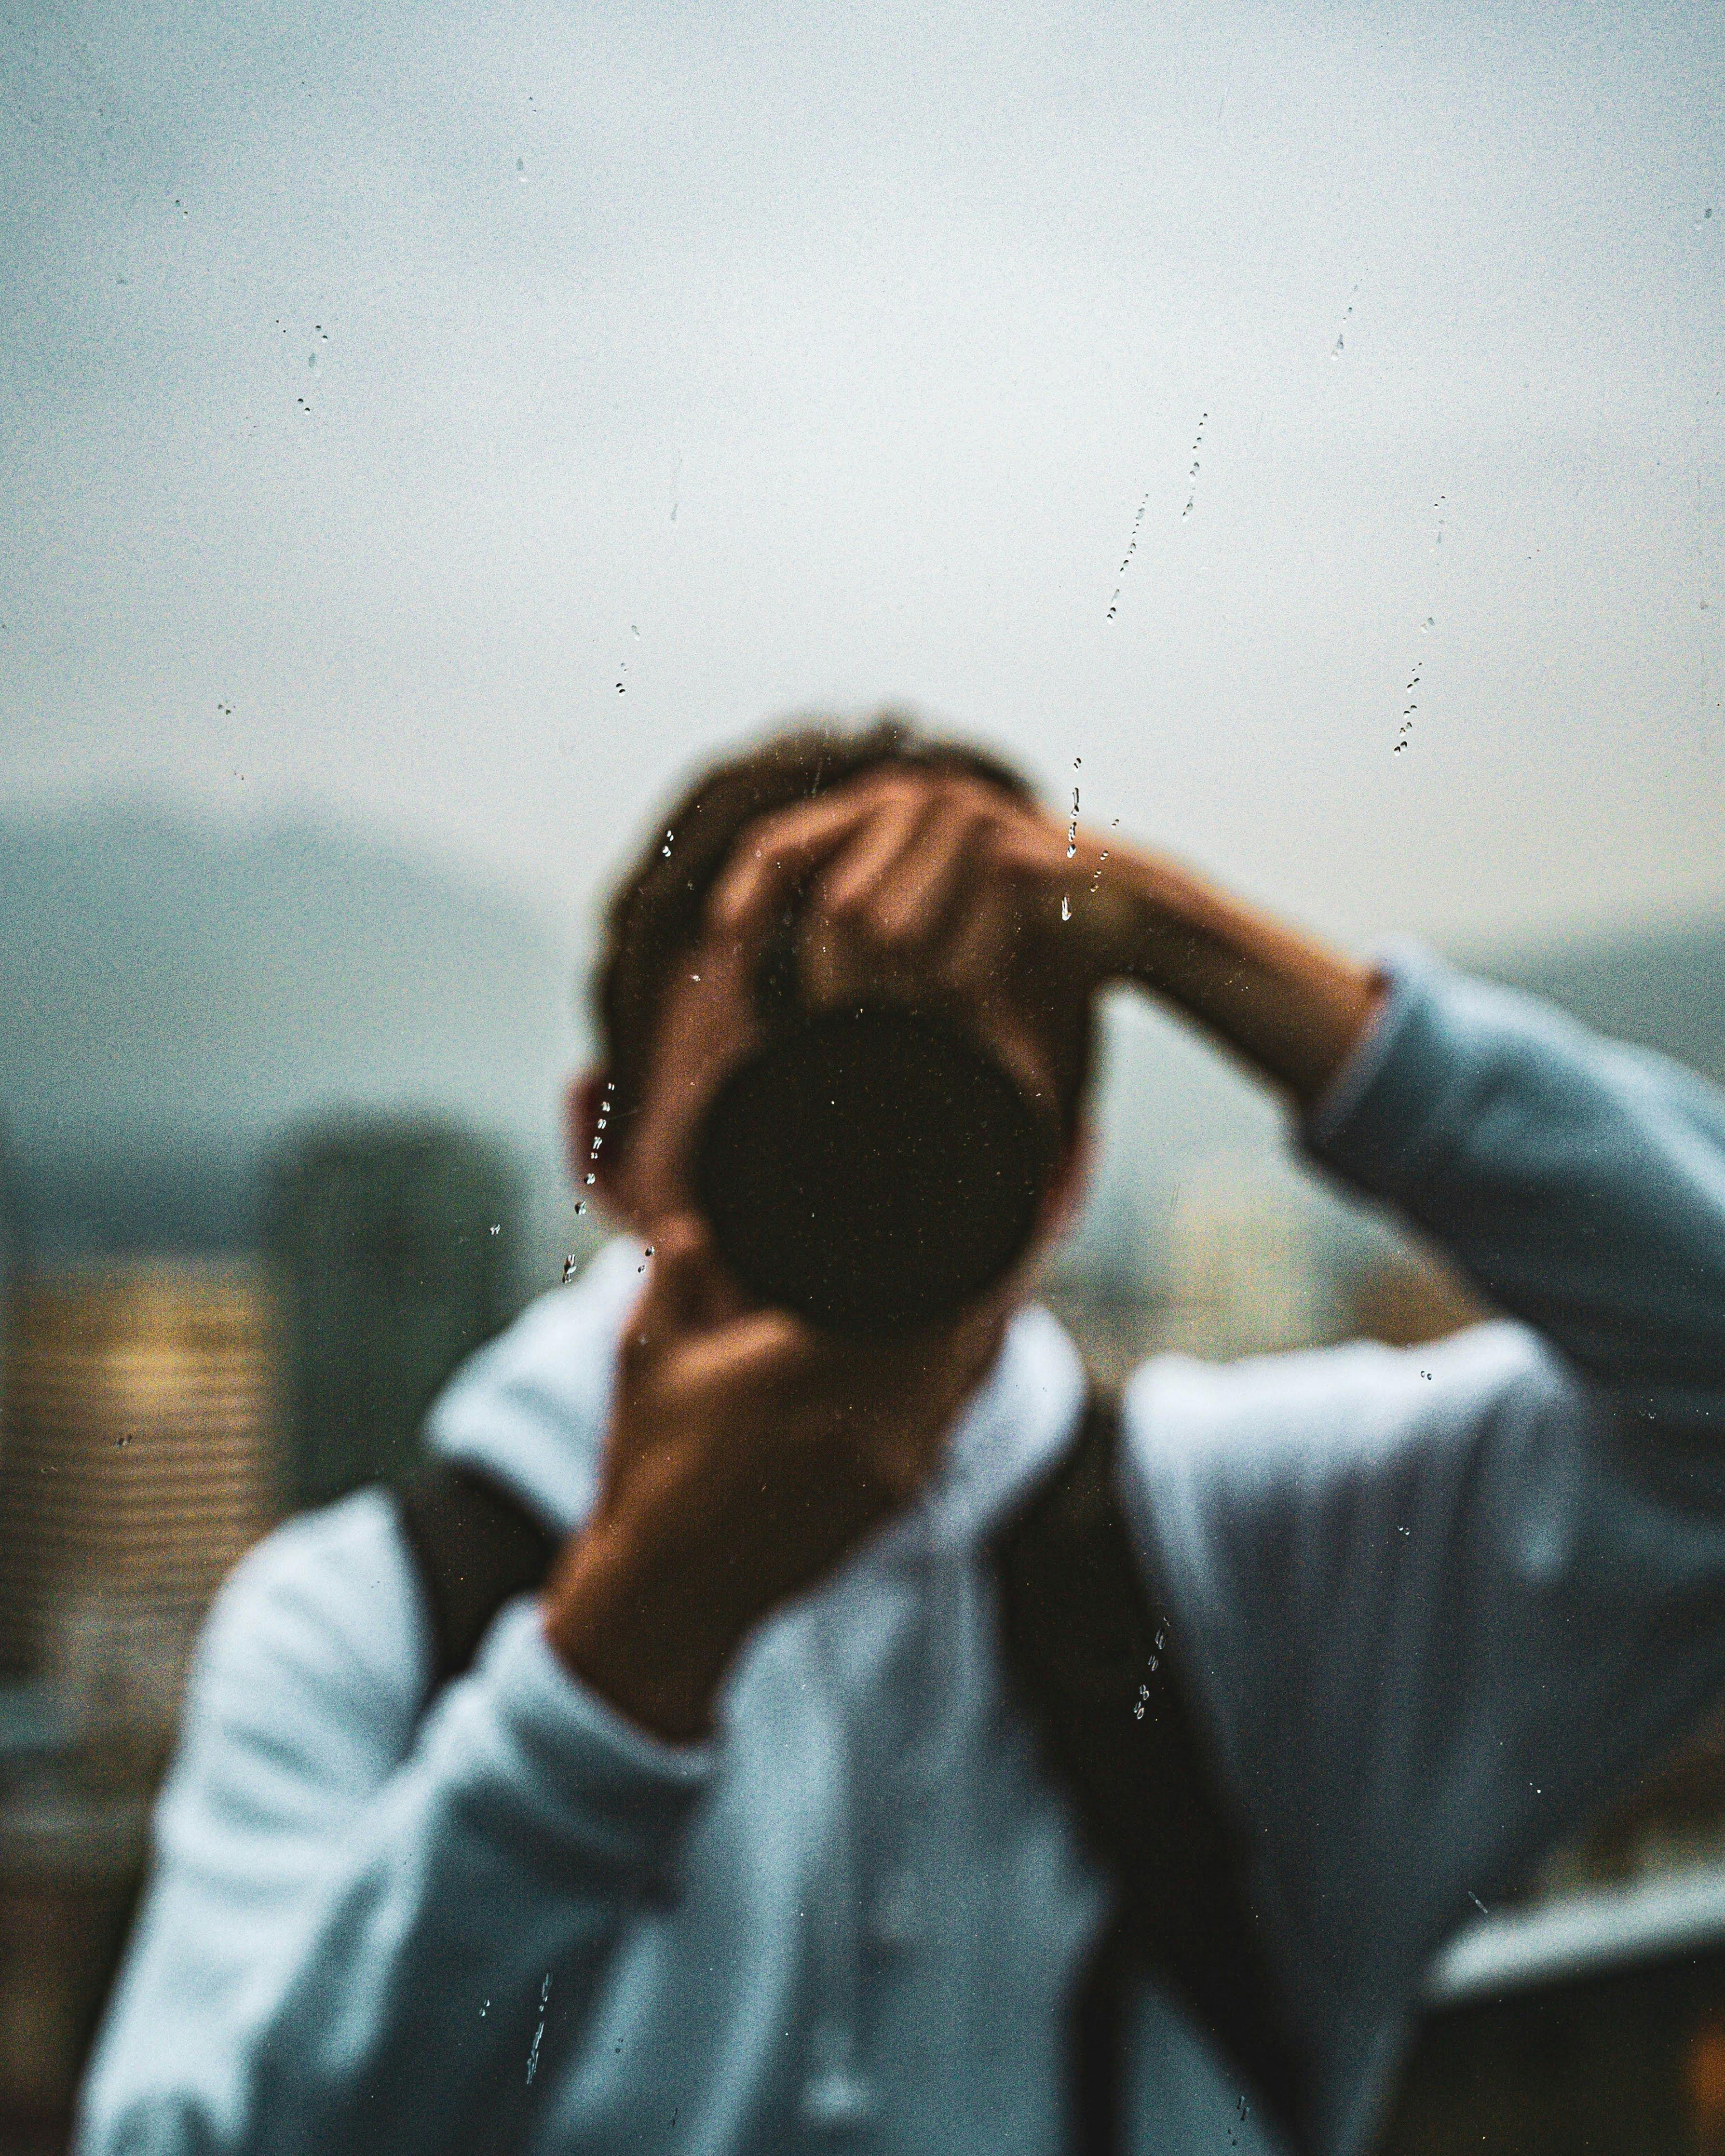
475	1545
1094	1663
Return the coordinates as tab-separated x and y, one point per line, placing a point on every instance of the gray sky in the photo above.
405	379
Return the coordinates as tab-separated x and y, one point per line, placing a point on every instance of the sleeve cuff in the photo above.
1369	1123
587	1780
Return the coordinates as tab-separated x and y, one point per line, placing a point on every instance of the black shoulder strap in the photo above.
475	1546
1096	1666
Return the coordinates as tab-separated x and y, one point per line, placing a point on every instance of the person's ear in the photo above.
583	1105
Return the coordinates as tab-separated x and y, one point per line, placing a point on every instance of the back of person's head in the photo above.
658	907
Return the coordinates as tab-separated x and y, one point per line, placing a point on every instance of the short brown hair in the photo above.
656	908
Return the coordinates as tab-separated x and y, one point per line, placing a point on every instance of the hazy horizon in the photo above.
184	997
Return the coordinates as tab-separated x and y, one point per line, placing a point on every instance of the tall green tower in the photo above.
392	1244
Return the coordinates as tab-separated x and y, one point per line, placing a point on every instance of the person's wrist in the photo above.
1286	1002
634	1629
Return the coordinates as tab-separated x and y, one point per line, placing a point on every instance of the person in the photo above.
733	1838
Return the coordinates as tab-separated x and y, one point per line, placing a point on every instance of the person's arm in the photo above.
1441	1604
1289	1006
947	883
352	1922
1577	1181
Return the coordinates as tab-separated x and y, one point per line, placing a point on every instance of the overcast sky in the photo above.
385	385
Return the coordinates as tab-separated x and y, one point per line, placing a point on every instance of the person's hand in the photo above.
924	884
916	882
747	1455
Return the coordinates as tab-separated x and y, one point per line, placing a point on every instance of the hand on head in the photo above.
926	885
907	885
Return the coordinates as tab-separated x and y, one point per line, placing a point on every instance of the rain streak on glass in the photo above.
599	1129
1336	349
1131	549
1408	710
1191	477
532	2057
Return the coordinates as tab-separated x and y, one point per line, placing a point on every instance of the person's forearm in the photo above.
1287	1004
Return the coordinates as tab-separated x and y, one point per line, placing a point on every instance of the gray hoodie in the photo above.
1435	1606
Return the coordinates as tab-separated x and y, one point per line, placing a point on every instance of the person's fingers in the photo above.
845	892
919	896
1025	846
976	960
766	1359
780	852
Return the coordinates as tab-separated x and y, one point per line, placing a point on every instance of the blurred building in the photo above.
392	1244
71	1866
138	1464
1246	1265
1595	2023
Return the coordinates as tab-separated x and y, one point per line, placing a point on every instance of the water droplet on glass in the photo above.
568	1268
1430	622
310	359
1065	907
496	1227
521	170
592	1177
580	1207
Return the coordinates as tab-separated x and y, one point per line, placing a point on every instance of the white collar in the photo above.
532	1407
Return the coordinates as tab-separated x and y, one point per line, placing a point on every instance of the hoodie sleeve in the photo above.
1441	1604
365	1932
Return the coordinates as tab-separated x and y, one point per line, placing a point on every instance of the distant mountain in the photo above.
176	998
1663	988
